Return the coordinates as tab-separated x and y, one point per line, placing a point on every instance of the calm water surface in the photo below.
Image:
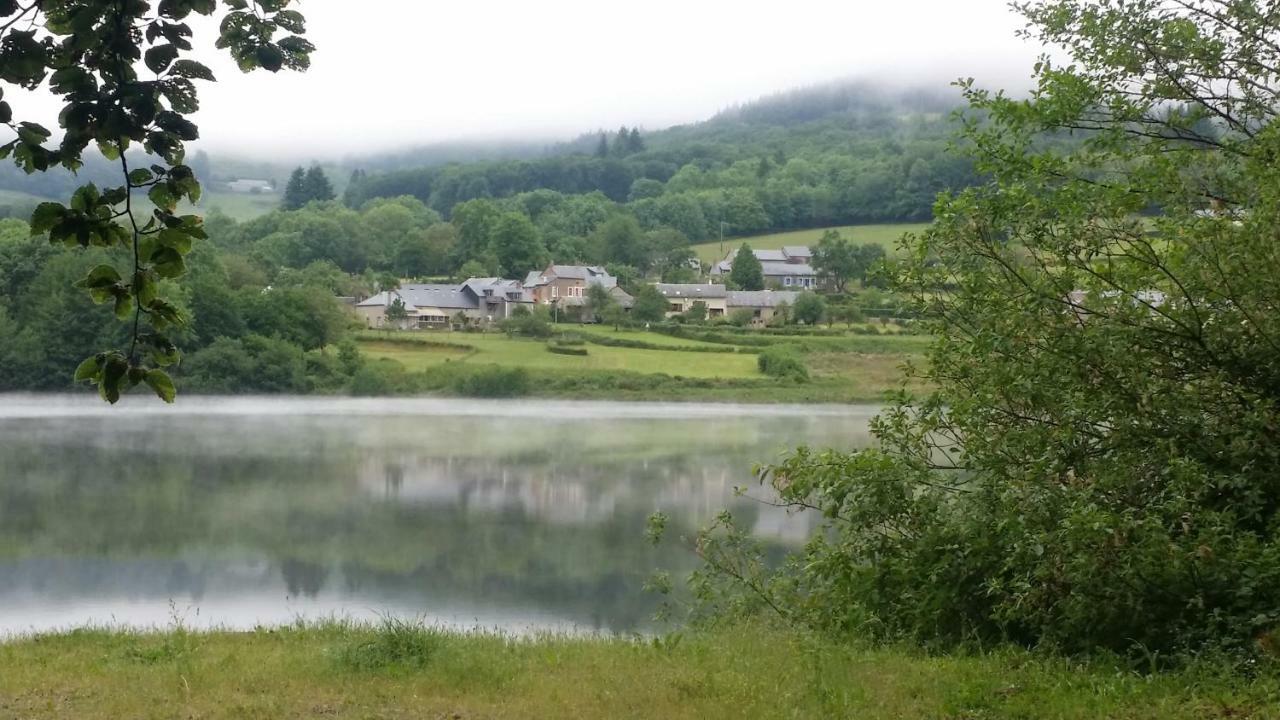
238	512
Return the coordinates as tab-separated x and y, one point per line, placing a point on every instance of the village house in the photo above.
788	267
681	296
566	285
763	304
720	301
481	300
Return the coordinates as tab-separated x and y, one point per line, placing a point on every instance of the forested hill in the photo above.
830	155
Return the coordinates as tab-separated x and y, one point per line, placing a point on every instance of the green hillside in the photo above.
885	235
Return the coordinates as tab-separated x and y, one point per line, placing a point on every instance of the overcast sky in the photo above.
404	72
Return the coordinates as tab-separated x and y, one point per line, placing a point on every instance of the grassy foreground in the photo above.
403	671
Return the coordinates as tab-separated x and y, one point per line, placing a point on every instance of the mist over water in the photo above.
243	511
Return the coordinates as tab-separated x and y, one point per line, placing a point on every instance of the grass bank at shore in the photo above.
403	671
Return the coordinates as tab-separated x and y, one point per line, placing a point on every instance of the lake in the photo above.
237	512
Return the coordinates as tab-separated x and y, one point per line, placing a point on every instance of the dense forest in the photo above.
837	154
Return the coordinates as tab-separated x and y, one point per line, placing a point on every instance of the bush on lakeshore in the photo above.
492	381
782	361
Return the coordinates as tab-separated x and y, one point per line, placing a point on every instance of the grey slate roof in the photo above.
442	296
760	298
510	290
694	290
770	259
770	255
781	269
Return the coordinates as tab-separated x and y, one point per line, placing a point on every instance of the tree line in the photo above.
872	165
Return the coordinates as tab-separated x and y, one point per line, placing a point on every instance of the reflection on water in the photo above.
236	512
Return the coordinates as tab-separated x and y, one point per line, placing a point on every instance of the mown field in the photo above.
884	235
498	349
339	670
843	368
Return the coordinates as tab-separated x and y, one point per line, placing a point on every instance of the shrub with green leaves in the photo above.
566	349
492	381
782	361
1096	469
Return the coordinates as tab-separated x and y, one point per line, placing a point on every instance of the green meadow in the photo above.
885	235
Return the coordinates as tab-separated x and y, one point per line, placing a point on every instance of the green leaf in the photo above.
144	287
269	57
109	150
159	57
140	176
100	276
161	196
124	306
176	238
90	369
45	216
85	197
168	262
162	384
113	373
192	69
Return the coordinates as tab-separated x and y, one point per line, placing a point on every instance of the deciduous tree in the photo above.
120	70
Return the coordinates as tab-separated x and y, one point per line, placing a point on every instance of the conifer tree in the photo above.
747	273
635	143
317	185
295	193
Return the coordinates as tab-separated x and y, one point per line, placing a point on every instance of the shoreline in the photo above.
17	405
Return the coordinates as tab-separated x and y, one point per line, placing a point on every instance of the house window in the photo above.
555	291
787	281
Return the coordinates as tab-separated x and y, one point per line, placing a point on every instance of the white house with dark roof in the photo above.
789	266
721	301
433	306
681	296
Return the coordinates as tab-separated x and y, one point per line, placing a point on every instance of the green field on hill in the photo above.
240	206
884	235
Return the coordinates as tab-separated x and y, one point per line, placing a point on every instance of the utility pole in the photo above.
722	224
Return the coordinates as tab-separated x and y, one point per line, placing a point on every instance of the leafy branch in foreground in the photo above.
88	53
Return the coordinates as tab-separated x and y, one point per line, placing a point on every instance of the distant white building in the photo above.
250	185
789	266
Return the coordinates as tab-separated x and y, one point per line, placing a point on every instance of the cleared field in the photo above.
495	349
241	206
885	235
